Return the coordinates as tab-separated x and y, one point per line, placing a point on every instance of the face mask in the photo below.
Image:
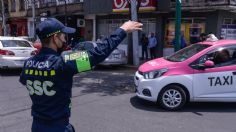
60	50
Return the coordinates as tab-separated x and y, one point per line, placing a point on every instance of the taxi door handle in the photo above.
234	73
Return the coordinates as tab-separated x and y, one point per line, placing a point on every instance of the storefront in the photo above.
18	27
228	28
191	28
106	24
77	22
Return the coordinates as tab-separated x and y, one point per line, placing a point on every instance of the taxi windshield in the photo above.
186	53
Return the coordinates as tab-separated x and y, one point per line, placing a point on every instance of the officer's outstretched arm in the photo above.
79	61
102	50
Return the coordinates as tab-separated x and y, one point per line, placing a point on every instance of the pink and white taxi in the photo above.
205	71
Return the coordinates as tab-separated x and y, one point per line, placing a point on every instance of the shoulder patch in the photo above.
80	57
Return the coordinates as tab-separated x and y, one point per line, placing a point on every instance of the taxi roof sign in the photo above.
211	38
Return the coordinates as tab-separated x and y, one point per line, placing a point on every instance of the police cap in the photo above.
51	26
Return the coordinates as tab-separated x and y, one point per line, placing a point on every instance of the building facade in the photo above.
22	18
94	18
198	16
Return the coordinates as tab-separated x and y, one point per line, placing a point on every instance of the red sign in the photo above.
123	5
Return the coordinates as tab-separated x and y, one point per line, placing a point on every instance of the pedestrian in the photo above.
202	37
183	43
48	76
152	43
144	43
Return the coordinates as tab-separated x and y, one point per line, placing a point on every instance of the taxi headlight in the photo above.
155	74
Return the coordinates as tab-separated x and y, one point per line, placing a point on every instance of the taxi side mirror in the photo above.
209	64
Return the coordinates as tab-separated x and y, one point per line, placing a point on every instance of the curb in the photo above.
130	66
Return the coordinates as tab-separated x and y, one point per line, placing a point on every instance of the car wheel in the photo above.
172	97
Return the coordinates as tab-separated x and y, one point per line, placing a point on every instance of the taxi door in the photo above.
217	83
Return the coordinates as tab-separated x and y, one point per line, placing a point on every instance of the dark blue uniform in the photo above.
48	77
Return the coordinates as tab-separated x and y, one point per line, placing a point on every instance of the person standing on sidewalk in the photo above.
144	43
48	76
152	43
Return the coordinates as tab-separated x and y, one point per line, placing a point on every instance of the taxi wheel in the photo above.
172	97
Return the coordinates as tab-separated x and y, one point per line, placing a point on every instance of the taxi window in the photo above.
222	56
186	53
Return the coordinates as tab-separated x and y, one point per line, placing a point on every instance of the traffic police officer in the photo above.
48	76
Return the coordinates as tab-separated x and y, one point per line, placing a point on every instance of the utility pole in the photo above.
134	17
66	20
177	25
65	13
3	19
33	17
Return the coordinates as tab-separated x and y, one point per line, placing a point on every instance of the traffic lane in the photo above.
96	113
15	104
194	107
105	102
14	96
105	82
114	108
10	72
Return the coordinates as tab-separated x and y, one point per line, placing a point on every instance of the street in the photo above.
104	101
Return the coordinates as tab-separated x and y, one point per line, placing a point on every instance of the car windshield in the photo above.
186	53
15	43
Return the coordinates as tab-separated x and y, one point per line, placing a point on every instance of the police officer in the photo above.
48	76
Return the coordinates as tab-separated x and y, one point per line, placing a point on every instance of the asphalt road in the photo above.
104	101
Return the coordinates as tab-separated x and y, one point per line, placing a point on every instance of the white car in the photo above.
117	57
14	51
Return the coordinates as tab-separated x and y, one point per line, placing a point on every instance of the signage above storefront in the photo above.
123	5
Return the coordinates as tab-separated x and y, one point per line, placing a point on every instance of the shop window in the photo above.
227	21
149	26
77	1
234	21
191	28
109	21
13	5
116	21
186	21
22	5
199	20
48	3
6	8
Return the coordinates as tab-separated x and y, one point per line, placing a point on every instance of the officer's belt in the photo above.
47	121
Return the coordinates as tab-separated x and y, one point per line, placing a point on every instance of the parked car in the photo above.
14	51
204	71
31	39
37	44
117	57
